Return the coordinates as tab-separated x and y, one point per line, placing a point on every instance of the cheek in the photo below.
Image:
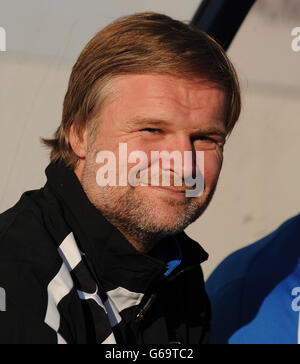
145	148
212	167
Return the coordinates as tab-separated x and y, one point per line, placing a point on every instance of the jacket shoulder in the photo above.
258	257
239	285
29	260
23	233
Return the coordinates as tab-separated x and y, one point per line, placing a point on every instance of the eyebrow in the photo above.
161	122
213	131
148	121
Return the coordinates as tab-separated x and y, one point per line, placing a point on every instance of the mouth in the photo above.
175	192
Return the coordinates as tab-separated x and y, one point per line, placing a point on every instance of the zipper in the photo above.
153	297
143	311
150	301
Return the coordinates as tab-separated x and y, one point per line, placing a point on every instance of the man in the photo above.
101	257
259	289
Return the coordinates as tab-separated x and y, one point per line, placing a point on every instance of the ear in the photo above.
78	141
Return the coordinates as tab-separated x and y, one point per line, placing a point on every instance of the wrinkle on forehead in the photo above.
158	94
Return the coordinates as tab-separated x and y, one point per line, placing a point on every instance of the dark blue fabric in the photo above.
169	251
252	291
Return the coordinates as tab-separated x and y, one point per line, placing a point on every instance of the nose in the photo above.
183	145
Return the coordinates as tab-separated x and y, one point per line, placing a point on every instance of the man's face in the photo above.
152	112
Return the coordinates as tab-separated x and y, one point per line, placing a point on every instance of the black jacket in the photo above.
69	276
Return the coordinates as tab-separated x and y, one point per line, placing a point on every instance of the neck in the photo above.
142	241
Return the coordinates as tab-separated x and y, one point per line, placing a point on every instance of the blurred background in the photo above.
258	187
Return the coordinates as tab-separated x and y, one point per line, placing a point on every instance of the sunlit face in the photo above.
152	112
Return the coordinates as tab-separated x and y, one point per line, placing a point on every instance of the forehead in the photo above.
166	97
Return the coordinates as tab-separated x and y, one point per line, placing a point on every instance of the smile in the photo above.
179	193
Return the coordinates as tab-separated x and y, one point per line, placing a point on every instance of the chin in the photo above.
172	221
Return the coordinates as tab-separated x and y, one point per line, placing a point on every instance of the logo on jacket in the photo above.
91	296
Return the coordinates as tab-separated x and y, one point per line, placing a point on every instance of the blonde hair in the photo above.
140	43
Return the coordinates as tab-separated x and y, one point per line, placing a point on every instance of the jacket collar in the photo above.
114	259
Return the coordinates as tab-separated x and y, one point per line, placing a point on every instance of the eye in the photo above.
203	142
151	130
203	138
